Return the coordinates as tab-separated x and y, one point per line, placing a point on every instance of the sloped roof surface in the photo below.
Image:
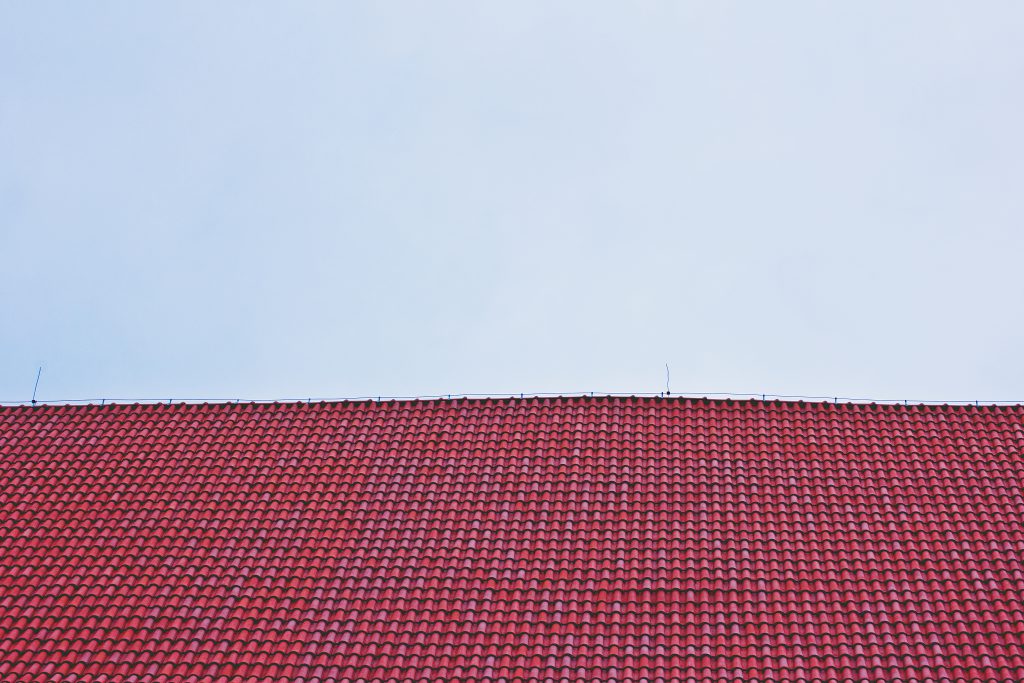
612	539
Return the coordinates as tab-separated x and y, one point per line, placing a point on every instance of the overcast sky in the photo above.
273	200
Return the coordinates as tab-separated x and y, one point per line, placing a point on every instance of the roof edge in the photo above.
718	398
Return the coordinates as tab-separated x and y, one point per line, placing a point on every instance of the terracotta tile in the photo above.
572	539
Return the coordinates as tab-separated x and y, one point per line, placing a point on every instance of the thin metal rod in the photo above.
39	374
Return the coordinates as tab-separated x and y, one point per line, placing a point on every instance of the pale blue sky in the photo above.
263	200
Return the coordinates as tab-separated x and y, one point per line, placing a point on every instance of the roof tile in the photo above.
570	539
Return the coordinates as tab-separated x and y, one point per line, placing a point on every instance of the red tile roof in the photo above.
613	539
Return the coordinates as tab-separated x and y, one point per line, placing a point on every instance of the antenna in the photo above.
668	377
36	387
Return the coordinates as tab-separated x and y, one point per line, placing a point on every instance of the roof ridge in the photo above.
713	398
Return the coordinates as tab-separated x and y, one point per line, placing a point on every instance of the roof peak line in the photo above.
380	398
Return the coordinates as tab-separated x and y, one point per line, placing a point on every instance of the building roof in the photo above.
572	539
